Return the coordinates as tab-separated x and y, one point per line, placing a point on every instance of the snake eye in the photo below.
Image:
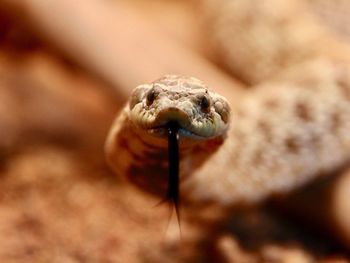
204	103
151	96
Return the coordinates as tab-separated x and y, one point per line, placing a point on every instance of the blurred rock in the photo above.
40	99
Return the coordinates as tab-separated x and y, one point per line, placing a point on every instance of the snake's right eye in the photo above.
151	96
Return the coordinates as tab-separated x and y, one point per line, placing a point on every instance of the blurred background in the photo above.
67	68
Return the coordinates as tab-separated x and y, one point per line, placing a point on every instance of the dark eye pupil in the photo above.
204	103
150	97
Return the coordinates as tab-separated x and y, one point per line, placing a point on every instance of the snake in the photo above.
275	138
291	127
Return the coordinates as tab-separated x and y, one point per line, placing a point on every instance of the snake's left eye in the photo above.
151	96
204	103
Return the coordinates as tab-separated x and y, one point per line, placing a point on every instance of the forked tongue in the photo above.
173	194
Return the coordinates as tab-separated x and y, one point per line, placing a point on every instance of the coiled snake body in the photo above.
280	136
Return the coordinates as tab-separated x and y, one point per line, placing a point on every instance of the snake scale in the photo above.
277	137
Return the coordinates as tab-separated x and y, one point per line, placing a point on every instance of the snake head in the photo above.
198	112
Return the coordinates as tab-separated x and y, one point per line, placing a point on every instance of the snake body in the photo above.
257	40
281	135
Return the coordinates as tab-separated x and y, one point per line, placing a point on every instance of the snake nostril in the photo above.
204	103
151	96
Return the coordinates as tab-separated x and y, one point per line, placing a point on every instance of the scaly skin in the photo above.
282	135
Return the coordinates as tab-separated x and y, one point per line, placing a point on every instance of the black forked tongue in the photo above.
173	193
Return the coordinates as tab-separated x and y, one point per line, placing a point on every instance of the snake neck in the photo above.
142	158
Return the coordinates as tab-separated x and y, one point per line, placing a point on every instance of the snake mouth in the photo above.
173	116
161	131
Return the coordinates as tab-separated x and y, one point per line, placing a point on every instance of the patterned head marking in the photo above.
199	112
